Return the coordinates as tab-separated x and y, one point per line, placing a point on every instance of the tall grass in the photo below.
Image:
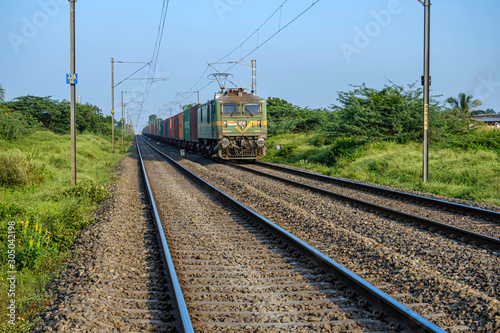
468	170
46	210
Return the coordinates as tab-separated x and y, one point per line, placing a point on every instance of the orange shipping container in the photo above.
181	125
170	127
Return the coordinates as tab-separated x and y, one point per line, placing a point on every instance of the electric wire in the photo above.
279	10
156	52
240	46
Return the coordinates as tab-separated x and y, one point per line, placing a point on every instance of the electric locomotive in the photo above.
233	125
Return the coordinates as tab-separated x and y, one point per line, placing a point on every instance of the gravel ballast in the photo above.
116	283
453	284
237	278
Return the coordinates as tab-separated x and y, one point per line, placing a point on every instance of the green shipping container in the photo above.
187	125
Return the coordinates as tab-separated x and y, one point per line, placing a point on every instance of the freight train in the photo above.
232	126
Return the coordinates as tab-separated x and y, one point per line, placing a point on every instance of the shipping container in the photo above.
194	123
176	126
187	125
165	129
171	127
181	125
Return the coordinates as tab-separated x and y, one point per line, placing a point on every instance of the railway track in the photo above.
116	281
422	200
452	283
237	271
394	204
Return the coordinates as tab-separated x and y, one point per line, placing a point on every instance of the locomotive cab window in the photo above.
230	108
252	108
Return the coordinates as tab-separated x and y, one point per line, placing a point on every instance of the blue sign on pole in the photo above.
71	78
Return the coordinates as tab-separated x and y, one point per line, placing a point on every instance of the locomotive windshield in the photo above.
229	108
252	108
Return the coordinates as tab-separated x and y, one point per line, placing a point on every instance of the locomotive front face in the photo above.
243	130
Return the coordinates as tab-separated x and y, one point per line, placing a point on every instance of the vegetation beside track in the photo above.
47	212
376	136
470	174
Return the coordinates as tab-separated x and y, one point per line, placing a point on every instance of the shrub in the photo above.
478	139
349	148
88	189
15	124
17	171
286	150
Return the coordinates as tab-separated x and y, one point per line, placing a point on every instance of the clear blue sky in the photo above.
334	44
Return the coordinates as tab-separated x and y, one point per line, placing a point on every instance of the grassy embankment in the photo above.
457	169
37	197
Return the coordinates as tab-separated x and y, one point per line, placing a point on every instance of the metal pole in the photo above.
73	93
113	104
254	77
426	83
122	118
198	97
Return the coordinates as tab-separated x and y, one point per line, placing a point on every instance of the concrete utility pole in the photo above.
426	82
122	118
113	103
73	92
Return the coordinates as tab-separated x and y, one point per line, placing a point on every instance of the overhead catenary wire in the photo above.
156	52
255	33
161	26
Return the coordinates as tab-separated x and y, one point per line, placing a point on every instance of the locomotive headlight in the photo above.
224	143
258	123
242	123
261	142
225	123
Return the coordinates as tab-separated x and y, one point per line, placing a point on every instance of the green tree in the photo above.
283	117
393	113
154	119
54	115
487	111
463	105
188	106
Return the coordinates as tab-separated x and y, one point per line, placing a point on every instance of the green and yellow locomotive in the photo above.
233	125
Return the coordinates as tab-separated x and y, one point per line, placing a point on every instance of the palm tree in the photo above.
464	105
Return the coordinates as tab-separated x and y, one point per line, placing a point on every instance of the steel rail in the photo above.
394	310
179	298
451	206
449	230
